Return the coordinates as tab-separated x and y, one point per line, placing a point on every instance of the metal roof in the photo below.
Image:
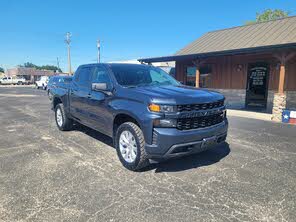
281	32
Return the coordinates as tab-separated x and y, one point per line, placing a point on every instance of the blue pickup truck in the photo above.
149	114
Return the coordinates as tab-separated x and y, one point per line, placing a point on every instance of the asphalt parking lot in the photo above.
47	175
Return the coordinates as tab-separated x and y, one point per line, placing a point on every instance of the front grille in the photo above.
199	122
201	106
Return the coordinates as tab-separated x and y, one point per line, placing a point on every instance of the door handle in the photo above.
89	96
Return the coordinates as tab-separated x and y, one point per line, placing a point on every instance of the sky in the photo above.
34	31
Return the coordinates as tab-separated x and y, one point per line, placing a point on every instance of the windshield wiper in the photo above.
139	85
155	83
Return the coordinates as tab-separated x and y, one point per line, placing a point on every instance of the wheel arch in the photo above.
56	101
121	118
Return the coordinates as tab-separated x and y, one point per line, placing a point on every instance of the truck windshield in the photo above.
141	75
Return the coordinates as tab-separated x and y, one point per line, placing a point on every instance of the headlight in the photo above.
162	108
165	123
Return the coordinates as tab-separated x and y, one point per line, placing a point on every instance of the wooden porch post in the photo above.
197	75
197	63
280	98
282	78
283	59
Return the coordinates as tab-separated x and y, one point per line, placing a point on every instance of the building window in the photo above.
205	79
190	76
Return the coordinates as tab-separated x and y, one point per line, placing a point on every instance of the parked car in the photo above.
12	80
42	82
149	114
57	81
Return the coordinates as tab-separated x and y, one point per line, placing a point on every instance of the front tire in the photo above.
64	123
130	146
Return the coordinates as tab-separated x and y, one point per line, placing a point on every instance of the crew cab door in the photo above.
99	110
80	93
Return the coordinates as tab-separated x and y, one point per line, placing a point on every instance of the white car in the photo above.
12	80
42	82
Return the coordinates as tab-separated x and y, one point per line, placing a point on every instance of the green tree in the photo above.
269	15
44	67
50	67
1	69
29	65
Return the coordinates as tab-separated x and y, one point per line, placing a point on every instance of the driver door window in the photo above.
100	75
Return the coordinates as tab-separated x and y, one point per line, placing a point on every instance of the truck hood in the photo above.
177	94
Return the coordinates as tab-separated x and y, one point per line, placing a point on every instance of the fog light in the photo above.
165	123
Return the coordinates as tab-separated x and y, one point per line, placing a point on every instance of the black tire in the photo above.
141	160
67	123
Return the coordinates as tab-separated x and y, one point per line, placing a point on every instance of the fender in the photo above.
139	111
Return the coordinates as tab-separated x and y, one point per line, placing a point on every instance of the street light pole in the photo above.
99	50
68	41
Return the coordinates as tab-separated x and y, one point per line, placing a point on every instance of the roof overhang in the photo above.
262	49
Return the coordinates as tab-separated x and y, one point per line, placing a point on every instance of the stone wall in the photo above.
291	100
235	99
279	104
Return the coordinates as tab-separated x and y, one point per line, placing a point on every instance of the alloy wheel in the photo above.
128	146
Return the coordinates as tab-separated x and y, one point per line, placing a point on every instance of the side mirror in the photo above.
99	86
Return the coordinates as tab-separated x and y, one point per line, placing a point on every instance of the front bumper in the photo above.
170	142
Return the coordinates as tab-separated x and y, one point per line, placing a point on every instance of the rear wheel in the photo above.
130	146
64	123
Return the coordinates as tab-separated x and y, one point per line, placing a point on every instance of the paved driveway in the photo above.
47	175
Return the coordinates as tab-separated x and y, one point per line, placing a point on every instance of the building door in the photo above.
257	85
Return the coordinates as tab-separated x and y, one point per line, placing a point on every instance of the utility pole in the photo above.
99	50
58	62
68	41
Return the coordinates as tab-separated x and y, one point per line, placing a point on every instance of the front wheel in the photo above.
130	146
64	123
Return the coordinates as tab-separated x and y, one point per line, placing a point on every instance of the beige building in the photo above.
30	74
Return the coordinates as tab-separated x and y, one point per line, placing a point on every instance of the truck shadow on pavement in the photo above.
202	159
94	134
194	161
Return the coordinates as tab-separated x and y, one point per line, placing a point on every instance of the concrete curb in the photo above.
249	114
